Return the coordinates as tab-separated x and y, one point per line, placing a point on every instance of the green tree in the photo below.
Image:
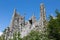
14	36
19	37
0	38
54	27
35	35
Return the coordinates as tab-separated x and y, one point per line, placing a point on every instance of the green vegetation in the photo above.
35	35
54	26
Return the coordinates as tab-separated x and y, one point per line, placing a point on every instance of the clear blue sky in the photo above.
25	6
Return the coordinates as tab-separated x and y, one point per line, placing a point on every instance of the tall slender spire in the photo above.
33	18
24	18
42	15
33	14
43	22
14	12
13	16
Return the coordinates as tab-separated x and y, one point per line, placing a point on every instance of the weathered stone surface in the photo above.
18	23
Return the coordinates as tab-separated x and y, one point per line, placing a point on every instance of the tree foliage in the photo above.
35	35
54	26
